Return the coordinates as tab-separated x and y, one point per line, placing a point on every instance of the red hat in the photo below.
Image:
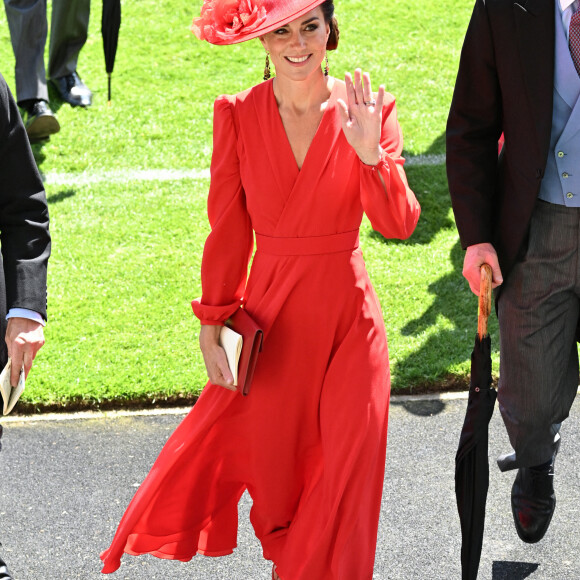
233	21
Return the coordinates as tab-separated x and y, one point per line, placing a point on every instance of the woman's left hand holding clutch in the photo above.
362	117
214	356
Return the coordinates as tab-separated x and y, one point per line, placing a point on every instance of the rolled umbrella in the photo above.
110	25
471	460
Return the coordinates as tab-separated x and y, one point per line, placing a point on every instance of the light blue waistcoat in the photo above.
561	182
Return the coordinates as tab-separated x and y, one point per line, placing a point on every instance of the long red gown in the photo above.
309	441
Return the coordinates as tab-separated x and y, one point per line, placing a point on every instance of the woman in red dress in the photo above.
296	161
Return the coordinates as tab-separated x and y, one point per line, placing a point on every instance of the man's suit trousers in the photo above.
28	25
538	312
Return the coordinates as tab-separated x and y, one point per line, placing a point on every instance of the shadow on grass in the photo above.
451	298
39	155
55	104
427	369
448	347
437	147
55	99
61	195
429	182
452	345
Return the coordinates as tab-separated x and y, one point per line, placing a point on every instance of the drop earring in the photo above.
325	65
267	67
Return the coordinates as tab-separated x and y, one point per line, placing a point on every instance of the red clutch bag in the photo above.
252	336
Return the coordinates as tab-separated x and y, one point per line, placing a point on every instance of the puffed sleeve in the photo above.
391	208
229	246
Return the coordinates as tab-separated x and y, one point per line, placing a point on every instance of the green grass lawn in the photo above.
126	254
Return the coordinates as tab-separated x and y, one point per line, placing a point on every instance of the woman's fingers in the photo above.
358	87
380	98
218	370
361	116
359	92
214	356
350	91
366	89
343	108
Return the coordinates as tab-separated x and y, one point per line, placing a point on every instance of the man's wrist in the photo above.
26	313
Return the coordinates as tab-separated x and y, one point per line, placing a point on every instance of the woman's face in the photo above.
298	48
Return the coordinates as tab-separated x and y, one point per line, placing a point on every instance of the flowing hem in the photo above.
110	567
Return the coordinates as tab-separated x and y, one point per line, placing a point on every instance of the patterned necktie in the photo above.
575	40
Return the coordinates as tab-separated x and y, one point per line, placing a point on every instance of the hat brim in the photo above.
269	25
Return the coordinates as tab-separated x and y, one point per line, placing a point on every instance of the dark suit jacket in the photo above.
24	235
505	84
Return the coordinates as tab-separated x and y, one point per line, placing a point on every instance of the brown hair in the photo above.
329	17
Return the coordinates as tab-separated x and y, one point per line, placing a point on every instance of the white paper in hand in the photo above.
10	395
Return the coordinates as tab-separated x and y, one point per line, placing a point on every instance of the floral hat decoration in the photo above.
233	21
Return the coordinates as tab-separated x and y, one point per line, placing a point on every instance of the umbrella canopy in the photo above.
471	460
110	25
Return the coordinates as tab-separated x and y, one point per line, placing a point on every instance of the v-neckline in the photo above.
283	129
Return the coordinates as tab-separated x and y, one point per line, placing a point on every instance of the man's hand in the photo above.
24	339
475	256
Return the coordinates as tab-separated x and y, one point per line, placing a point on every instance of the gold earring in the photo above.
325	65
267	67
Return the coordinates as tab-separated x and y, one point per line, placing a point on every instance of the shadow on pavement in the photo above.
421	408
512	570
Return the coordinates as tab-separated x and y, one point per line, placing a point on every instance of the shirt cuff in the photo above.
25	313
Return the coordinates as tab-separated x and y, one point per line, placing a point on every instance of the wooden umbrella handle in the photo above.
484	300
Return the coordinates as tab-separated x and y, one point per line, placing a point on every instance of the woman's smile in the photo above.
298	59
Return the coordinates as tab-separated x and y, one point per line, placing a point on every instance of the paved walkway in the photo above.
66	483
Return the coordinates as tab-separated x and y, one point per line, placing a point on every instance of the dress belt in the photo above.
309	246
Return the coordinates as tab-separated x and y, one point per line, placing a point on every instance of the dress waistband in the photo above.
310	246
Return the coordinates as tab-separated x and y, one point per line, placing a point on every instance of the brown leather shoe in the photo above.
533	501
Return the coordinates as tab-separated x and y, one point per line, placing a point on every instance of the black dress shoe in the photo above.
40	123
72	90
533	501
4	572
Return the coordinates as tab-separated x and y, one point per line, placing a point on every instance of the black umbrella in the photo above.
110	24
471	460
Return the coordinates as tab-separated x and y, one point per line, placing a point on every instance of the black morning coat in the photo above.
505	84
24	234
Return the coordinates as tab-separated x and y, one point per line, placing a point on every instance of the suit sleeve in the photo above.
24	231
229	246
474	126
395	214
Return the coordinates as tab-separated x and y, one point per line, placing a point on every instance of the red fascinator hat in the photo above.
233	21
